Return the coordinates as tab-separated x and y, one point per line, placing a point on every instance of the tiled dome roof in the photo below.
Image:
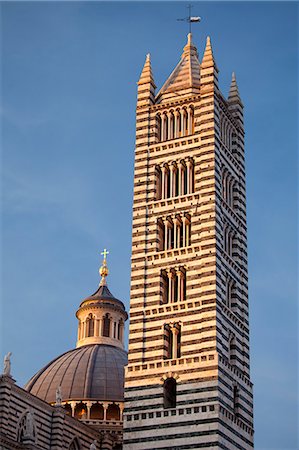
93	372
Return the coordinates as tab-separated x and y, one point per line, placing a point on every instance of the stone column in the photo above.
163	170
169	118
88	406
166	234
180	166
190	120
176	124
171	180
180	286
121	408
183	122
73	406
105	406
189	177
184	231
175	333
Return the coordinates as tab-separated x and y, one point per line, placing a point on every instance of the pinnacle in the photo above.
208	57
146	74
234	95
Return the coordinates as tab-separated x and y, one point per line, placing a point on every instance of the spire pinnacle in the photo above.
146	74
234	95
103	271
208	57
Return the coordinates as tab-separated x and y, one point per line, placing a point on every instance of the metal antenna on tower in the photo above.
190	19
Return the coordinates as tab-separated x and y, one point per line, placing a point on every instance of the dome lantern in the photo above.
101	316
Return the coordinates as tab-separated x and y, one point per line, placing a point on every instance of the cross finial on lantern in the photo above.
104	272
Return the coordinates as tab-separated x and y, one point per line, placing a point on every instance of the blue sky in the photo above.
69	73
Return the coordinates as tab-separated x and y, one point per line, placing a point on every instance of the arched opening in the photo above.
89	326
113	412
75	445
165	127
161	235
158	183
68	409
97	411
168	342
179	339
81	411
169	393
26	427
106	325
164	286
158	125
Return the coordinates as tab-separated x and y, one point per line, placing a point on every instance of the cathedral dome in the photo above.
90	372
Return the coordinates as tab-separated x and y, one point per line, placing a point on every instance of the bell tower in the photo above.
187	380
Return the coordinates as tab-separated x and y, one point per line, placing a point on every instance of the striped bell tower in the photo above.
187	380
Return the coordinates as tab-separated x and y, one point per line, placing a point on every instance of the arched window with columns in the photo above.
172	341
173	283
174	124
174	179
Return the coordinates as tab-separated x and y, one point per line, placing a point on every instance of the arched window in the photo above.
229	237
185	122
165	127
68	409
75	445
26	427
113	412
164	287
191	120
172	341
106	325
97	411
158	125
158	175
169	393
168	342
90	326
230	292
81	411
161	235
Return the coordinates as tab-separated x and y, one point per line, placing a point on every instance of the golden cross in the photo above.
105	253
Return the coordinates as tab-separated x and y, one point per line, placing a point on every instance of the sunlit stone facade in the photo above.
187	380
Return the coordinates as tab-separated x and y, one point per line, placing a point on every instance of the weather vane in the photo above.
190	19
